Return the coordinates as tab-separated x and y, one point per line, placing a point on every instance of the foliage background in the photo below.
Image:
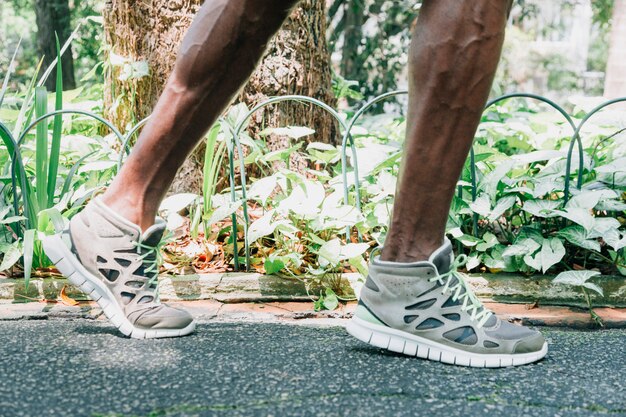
518	221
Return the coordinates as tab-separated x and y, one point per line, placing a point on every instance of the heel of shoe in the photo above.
59	254
365	314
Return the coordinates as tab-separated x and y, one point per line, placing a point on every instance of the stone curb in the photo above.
251	287
211	311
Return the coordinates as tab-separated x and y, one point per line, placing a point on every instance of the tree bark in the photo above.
615	83
146	32
297	62
53	17
138	32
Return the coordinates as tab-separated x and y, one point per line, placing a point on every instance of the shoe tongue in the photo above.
153	235
442	257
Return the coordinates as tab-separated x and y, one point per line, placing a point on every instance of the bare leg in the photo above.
453	59
218	54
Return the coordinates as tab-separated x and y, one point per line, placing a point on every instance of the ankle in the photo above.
404	257
414	252
131	209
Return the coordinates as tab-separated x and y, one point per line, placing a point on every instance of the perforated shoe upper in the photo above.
114	249
430	299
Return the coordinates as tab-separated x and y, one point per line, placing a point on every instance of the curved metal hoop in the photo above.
105	122
347	136
545	100
472	155
575	138
127	139
20	165
235	136
568	166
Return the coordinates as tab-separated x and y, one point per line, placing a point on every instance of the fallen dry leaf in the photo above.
65	299
532	306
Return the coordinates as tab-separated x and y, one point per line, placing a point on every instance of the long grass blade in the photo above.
26	111
29	248
214	156
66	45
54	216
55	147
216	164
209	155
18	175
5	83
221	152
41	151
7	139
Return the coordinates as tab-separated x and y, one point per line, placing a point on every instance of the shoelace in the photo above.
471	303
152	259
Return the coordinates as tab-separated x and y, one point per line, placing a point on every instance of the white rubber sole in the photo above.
411	345
76	273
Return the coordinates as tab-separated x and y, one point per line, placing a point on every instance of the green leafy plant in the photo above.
37	197
213	158
580	279
46	179
327	300
515	219
510	212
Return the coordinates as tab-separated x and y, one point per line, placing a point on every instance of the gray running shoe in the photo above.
108	257
426	309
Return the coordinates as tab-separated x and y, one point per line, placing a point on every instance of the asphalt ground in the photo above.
78	367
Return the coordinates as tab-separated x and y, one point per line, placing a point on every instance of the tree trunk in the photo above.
351	60
146	34
615	84
53	17
296	62
138	33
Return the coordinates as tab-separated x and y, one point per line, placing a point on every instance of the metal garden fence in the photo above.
19	178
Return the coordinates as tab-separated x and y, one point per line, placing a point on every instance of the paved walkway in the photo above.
80	367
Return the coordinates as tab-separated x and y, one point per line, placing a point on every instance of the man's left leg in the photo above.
110	249
218	54
414	301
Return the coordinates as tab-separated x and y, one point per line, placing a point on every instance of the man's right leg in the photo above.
111	248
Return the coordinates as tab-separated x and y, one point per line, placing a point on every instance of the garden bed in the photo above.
531	199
